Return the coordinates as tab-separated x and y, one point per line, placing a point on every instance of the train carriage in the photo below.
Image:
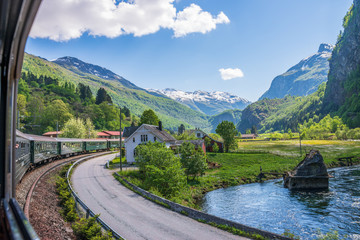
113	143
95	144
42	148
70	146
22	155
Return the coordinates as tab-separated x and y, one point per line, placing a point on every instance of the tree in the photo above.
21	107
215	148
181	129
102	96
74	128
56	111
161	169
227	131
193	161
84	91
149	117
126	111
248	131
90	129
254	130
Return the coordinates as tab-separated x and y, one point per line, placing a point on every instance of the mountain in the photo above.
282	113
123	92
209	103
231	115
303	78
342	95
81	68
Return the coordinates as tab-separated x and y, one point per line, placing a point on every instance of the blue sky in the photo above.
262	38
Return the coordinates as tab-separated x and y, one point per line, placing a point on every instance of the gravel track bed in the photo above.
27	181
44	212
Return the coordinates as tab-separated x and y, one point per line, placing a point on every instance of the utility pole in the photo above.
57	128
18	120
300	143
120	141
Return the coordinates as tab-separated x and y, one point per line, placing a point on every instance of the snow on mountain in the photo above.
210	103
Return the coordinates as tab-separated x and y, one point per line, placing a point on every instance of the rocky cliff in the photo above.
342	91
303	78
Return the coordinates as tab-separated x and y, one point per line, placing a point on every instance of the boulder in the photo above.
311	173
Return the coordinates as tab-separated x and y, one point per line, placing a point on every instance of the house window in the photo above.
144	138
198	135
154	139
133	139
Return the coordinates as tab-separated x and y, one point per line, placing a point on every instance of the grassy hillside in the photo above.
282	114
137	100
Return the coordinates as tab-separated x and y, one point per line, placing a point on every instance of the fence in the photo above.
81	207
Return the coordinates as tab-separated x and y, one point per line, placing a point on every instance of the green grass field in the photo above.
243	166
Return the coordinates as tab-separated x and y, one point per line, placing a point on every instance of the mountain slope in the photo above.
81	68
232	115
303	78
282	113
122	91
210	103
342	95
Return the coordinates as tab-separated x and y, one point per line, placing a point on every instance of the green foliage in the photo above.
333	235
323	129
161	169
77	128
102	96
269	115
181	129
350	110
228	132
185	136
215	148
85	229
193	161
56	111
149	117
85	92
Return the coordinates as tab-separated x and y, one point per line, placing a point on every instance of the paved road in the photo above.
131	215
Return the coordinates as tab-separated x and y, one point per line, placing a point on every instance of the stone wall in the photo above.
198	215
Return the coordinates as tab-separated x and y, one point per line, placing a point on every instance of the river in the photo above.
270	206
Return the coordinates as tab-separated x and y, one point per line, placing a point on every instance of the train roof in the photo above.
69	139
95	140
113	140
33	137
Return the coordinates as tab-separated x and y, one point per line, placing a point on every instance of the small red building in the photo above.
52	134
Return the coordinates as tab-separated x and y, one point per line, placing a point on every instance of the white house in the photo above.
197	132
145	133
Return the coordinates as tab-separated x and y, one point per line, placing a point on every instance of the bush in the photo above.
160	168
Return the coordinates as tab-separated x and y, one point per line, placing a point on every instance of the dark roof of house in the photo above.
163	135
129	130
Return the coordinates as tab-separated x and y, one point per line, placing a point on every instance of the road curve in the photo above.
131	215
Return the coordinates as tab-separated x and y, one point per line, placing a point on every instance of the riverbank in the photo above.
243	166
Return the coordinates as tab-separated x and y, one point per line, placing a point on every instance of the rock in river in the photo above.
311	173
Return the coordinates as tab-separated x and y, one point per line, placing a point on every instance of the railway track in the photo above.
26	187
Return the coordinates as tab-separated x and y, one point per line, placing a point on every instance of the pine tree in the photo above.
102	96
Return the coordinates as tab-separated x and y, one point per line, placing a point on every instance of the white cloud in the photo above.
230	73
193	19
62	20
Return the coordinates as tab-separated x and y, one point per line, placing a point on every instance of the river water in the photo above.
270	206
